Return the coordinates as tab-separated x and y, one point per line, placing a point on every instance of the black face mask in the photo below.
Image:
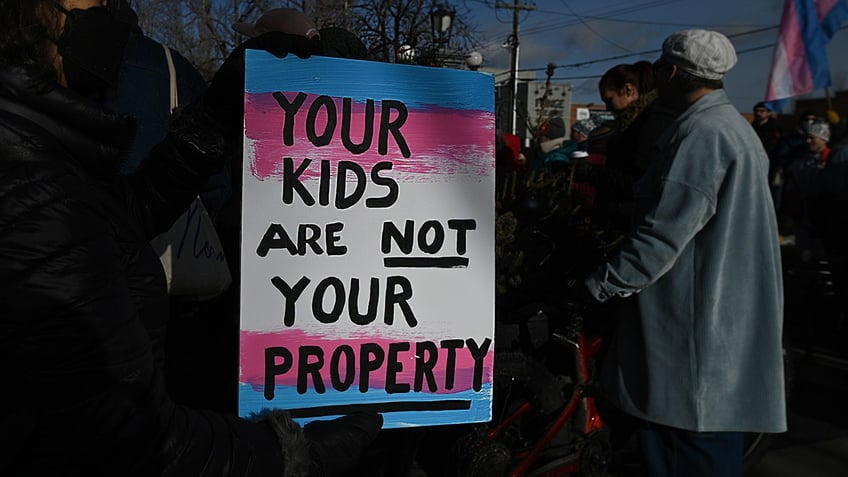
92	48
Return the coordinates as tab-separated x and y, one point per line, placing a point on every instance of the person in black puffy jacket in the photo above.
80	288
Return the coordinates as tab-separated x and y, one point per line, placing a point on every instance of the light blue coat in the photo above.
704	352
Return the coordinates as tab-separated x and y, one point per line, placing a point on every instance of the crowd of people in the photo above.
96	163
808	176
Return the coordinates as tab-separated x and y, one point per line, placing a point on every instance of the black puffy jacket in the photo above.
82	300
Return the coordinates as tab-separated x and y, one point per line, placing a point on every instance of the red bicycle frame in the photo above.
584	350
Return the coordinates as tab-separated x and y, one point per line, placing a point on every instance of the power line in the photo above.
599	13
595	32
649	22
658	50
586	77
602	15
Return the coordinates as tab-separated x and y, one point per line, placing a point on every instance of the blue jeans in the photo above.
671	452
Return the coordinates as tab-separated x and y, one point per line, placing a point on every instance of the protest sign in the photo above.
367	263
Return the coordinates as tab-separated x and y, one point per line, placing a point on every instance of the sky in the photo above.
584	38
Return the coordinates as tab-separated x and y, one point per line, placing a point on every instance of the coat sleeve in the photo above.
680	199
176	171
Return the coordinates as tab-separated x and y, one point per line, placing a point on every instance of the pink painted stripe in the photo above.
254	344
441	140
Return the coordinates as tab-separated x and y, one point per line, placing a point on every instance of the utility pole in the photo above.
513	72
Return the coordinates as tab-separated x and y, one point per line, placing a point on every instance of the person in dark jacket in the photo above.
143	91
82	287
803	213
142	88
629	91
770	134
766	128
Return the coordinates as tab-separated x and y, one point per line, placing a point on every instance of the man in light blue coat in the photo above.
701	363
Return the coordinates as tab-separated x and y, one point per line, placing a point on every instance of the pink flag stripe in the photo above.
799	63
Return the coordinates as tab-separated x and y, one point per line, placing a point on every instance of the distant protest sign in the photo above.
367	263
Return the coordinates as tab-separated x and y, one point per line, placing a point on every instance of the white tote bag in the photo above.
191	252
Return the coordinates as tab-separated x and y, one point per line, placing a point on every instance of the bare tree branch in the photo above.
202	29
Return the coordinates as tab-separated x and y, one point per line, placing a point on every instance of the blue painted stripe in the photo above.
252	402
415	86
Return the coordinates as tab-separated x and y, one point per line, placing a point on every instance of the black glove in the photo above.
224	99
336	446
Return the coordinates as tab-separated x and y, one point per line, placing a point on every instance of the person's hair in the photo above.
688	83
24	39
639	74
806	114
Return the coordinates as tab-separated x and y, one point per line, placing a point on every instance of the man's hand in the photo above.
578	294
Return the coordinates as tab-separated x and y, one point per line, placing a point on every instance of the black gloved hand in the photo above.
336	446
224	99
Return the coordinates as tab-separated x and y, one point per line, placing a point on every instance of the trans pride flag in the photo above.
799	64
367	261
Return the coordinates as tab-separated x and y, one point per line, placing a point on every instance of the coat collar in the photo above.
629	114
710	100
95	137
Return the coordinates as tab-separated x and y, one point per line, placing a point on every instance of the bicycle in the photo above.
545	419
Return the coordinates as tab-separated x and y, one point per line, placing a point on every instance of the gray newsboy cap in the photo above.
702	53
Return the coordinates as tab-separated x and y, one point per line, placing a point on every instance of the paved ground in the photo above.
820	458
817	442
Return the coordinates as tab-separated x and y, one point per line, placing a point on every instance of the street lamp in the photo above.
406	54
440	54
474	60
441	21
